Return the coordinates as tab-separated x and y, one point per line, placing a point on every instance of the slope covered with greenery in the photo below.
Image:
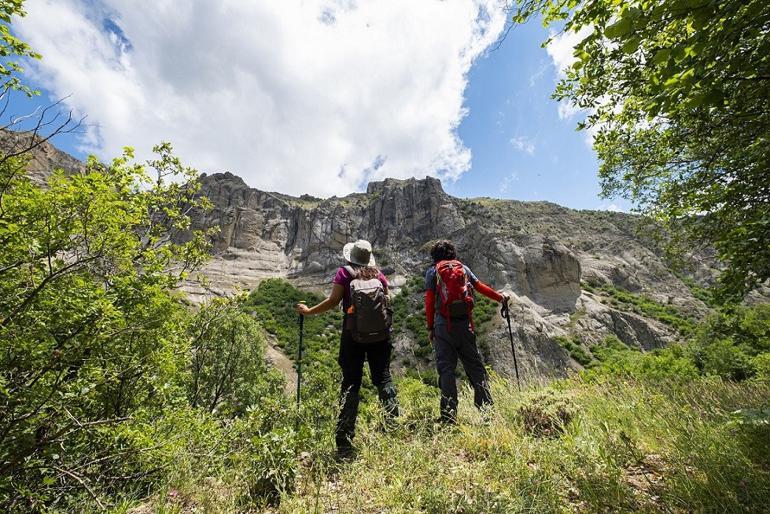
622	443
682	428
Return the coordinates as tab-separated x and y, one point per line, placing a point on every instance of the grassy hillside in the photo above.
621	444
680	429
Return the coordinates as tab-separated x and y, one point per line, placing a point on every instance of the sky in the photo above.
319	96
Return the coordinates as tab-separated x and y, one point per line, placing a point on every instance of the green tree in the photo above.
91	332
678	92
12	48
228	370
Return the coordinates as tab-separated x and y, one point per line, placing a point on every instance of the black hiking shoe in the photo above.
345	453
446	421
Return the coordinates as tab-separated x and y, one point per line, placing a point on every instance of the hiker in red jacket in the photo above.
449	287
365	336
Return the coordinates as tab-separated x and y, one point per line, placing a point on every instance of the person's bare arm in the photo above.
329	303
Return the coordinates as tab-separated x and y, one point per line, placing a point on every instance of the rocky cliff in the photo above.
43	156
559	263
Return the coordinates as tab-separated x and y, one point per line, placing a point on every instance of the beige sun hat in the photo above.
359	253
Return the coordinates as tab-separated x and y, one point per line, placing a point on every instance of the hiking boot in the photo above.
447	421
345	453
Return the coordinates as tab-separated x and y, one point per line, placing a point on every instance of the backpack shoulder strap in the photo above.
352	271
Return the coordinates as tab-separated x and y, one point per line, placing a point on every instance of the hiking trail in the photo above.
282	363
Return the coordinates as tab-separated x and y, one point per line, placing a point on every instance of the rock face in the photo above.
543	254
540	252
44	157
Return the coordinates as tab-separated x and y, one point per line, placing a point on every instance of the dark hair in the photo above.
367	272
443	250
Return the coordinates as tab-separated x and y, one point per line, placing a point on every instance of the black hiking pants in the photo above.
452	341
351	360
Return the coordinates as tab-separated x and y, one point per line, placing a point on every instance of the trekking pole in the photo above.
299	367
506	313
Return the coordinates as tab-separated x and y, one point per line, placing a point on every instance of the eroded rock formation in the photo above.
544	254
539	251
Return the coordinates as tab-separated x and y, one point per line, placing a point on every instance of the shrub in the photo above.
575	350
761	366
546	414
91	334
616	359
228	371
272	466
724	358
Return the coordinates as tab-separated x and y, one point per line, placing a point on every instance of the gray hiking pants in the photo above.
452	341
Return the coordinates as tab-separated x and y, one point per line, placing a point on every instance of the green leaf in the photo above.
632	45
695	101
714	97
661	56
619	28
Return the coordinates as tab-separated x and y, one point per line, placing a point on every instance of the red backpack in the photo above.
455	293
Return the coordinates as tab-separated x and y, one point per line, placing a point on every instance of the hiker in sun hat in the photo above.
363	290
449	300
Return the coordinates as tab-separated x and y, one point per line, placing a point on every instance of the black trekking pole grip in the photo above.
506	313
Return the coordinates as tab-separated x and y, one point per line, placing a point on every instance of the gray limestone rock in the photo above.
542	253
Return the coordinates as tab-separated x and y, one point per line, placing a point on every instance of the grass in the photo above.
622	445
636	432
625	445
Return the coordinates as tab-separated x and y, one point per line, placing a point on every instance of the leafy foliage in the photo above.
13	49
110	387
228	371
732	345
90	333
272	303
729	343
677	94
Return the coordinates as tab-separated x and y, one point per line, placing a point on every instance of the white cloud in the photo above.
535	77
561	50
612	208
294	96
506	182
567	110
523	144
